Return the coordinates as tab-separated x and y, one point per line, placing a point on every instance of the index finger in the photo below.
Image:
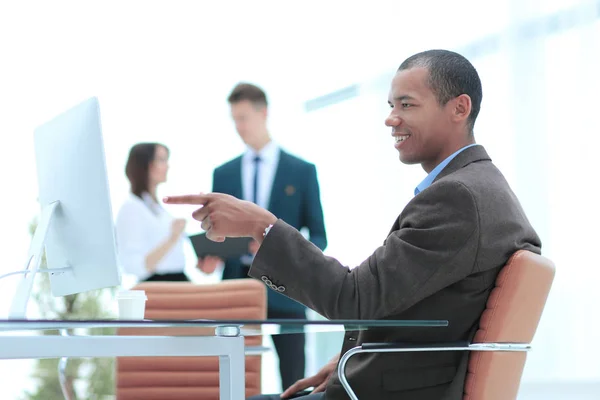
196	199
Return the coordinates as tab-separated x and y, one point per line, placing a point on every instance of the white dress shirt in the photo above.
141	226
269	159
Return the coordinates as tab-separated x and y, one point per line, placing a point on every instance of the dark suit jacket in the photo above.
439	261
295	198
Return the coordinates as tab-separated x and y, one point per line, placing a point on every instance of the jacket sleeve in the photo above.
434	247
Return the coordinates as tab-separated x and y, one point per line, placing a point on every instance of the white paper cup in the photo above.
132	304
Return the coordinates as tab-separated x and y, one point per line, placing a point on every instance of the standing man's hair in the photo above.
247	91
450	75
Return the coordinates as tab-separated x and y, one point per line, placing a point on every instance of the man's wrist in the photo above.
267	229
263	226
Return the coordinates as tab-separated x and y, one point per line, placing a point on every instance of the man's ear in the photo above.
461	108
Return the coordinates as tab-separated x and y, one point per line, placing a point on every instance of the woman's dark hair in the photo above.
138	166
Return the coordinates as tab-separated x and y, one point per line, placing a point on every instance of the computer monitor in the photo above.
76	224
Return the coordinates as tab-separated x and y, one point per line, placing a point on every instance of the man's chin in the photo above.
408	160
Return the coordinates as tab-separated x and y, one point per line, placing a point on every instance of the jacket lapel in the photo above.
464	158
236	179
279	181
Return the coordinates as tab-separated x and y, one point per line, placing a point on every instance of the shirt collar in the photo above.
267	154
435	172
147	199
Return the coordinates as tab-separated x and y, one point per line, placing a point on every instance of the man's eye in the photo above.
406	105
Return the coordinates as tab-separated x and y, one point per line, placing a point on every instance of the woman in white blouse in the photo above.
150	242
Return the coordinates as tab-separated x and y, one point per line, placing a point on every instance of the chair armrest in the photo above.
384	347
414	347
443	346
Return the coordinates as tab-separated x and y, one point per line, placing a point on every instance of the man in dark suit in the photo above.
285	185
439	261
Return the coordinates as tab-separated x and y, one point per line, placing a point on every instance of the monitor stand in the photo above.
18	308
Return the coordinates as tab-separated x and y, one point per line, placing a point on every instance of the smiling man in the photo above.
439	261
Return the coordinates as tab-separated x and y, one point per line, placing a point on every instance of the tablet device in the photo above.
230	248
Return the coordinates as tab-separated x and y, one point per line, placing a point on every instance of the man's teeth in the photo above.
401	138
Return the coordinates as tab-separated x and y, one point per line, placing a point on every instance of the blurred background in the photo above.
162	72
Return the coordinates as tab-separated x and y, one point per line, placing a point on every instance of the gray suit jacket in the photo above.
439	261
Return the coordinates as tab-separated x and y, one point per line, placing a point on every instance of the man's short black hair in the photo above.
450	75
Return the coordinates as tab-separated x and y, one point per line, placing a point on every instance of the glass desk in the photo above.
119	338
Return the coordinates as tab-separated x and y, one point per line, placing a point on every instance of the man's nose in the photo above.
392	120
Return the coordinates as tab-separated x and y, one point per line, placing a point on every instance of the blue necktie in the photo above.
255	187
